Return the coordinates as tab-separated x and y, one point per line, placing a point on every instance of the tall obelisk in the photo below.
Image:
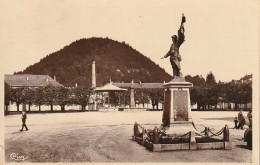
93	73
93	86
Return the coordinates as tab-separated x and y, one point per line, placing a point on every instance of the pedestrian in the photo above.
249	115
236	121
24	117
241	120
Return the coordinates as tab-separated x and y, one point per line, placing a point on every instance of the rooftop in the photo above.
29	80
139	85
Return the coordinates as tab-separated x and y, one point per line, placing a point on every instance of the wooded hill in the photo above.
114	60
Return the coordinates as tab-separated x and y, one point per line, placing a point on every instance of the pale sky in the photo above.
222	36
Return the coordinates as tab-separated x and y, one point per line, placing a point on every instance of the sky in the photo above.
222	36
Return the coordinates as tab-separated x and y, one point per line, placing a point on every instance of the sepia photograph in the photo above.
136	81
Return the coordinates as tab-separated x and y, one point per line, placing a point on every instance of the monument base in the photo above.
178	131
187	146
177	107
160	140
179	128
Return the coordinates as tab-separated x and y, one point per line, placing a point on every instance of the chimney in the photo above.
54	78
27	78
76	85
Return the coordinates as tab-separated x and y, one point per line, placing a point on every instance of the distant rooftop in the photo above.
247	77
139	85
109	87
29	80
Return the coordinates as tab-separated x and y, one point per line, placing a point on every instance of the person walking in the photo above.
236	121
24	117
249	115
241	120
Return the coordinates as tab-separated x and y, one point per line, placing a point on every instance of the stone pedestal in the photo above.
132	98
177	107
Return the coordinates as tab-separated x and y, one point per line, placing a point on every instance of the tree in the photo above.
62	97
38	97
141	96
199	96
221	92
198	91
212	95
197	80
28	96
232	93
17	96
80	95
156	96
7	96
210	79
50	93
245	93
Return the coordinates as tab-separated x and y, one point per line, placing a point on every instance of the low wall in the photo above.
31	112
249	109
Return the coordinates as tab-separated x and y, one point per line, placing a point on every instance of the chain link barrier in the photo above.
148	133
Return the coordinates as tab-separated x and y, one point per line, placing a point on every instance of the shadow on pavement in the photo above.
223	118
242	146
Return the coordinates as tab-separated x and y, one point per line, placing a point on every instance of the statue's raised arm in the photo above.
181	37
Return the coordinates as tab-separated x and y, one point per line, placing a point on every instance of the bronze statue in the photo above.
174	54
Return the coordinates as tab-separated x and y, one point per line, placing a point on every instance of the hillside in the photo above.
114	60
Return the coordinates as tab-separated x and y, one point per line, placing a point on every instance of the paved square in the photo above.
105	137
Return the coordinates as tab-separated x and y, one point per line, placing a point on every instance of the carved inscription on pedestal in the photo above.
180	105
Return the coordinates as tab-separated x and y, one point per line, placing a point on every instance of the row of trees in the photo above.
208	93
48	95
205	93
142	96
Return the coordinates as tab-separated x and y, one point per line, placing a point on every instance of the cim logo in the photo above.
18	157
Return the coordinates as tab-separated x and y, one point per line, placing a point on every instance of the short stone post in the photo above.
226	134
227	143
207	131
143	135
155	136
192	141
136	131
132	98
